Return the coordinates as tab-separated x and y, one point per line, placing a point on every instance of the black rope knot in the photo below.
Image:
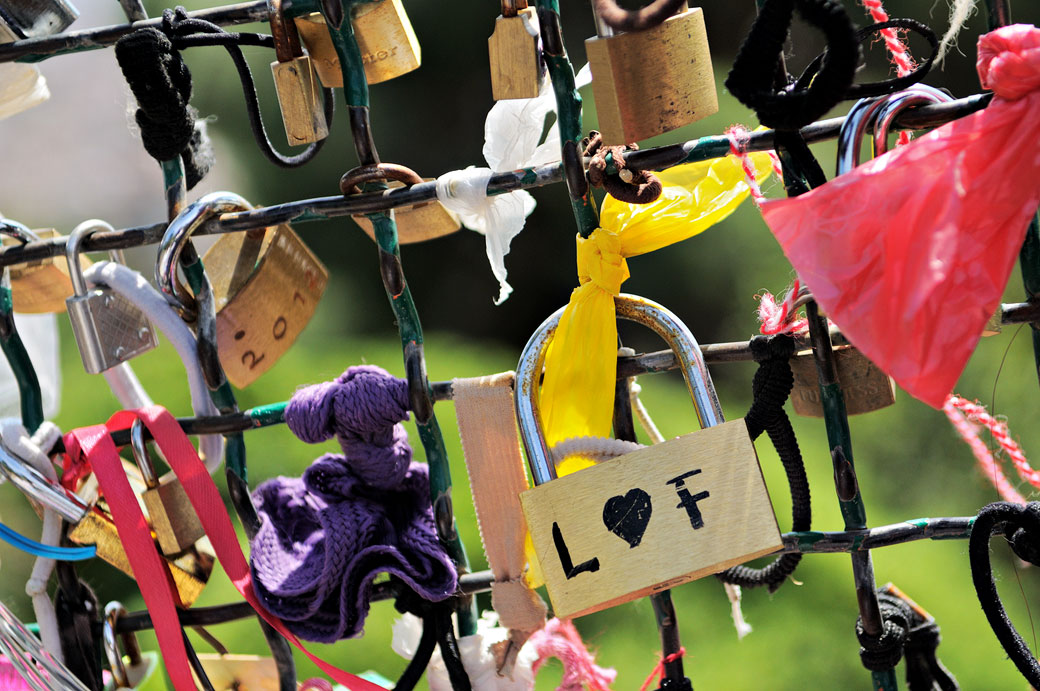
884	651
1025	544
161	83
770	388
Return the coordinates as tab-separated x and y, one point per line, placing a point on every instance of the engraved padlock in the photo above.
865	387
649	82
417	223
43	285
651	519
516	62
266	285
35	18
93	525
109	329
174	521
384	36
299	96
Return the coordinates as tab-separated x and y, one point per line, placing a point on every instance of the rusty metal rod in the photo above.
322	208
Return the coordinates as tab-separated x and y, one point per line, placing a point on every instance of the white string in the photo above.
133	286
960	12
30	449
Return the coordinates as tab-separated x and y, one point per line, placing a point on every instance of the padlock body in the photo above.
174	521
646	83
246	672
267	286
41	286
109	329
190	571
384	35
300	100
651	520
516	64
417	223
865	387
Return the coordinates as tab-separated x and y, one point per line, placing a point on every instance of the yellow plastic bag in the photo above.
580	368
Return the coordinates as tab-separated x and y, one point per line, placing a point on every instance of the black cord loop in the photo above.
885	86
771	387
1023	524
758	61
620	19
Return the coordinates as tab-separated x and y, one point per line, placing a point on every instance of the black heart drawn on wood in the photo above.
628	516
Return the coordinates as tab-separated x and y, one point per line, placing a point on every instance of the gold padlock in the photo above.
299	97
649	82
384	35
688	507
43	285
174	521
266	285
416	223
865	387
244	672
516	62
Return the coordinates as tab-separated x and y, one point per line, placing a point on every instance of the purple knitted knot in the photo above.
360	409
325	537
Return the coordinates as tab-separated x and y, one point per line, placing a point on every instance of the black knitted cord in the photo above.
1023	523
771	387
757	62
161	83
438	630
79	626
880	653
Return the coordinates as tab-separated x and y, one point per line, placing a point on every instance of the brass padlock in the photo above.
266	284
416	223
299	96
40	286
93	525
646	83
384	36
516	62
245	672
174	521
651	519
865	387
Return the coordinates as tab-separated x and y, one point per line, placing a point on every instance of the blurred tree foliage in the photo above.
911	462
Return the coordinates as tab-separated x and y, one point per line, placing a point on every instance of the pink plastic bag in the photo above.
909	253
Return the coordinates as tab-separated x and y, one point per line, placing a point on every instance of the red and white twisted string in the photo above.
739	136
896	48
966	417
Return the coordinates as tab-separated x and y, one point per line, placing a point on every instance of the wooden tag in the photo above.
240	672
651	520
866	388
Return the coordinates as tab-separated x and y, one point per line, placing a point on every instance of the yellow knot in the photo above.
600	261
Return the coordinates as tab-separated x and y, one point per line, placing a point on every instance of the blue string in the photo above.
40	550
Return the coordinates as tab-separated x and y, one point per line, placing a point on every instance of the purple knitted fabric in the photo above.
325	537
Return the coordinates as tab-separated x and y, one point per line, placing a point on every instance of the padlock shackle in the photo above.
113	611
352	180
143	459
17	231
619	19
864	113
286	37
510	8
916	95
72	250
176	238
632	308
36	486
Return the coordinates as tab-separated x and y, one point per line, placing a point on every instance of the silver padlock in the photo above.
36	18
109	329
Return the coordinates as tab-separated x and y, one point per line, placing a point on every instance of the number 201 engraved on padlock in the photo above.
651	519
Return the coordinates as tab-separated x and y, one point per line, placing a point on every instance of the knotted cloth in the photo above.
909	253
325	537
578	391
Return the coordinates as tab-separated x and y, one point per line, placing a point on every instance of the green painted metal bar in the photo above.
400	297
30	397
568	116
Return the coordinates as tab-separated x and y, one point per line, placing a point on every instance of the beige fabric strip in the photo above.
491	445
